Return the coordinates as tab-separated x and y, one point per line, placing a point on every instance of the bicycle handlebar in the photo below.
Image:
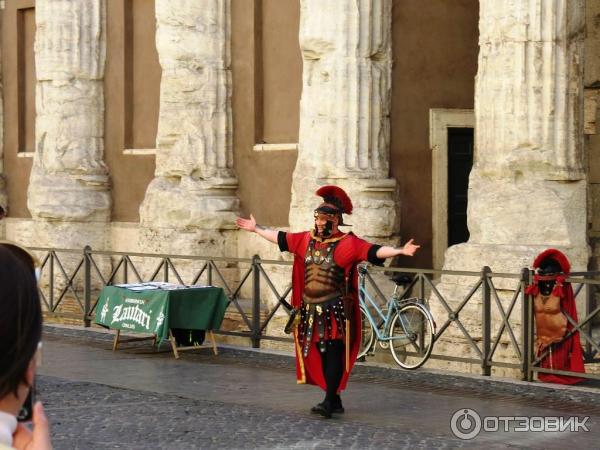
362	268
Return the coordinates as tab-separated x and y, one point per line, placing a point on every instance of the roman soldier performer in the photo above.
553	300
324	282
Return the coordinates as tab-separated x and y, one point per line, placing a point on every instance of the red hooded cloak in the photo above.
566	355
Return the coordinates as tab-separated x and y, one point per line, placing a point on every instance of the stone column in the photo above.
344	112
592	122
192	196
68	193
527	188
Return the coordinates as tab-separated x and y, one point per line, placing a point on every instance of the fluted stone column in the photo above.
344	112
192	196
68	193
528	184
527	189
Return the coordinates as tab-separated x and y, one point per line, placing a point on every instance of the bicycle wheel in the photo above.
411	333
367	335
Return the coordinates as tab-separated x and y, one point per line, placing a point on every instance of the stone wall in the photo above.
3	193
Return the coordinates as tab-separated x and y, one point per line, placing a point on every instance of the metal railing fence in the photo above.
482	344
505	311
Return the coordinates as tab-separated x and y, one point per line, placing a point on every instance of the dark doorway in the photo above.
460	161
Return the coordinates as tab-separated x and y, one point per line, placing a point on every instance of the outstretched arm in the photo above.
251	225
409	249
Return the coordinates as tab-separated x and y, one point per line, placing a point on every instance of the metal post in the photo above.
531	326
525	327
165	270
210	273
125	274
590	290
255	302
51	281
486	368
87	286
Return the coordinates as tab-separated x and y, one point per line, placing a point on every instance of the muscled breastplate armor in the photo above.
323	278
551	323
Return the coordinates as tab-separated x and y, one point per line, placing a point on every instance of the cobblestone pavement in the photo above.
136	398
94	416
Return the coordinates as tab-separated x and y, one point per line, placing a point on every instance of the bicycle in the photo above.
404	325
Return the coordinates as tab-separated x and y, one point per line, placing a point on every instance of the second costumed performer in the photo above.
324	282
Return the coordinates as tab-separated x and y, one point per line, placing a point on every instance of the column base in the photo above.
471	257
185	204
70	234
69	199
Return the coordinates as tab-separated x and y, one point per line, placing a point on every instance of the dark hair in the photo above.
20	319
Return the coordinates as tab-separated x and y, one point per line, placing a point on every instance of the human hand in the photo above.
246	224
39	437
409	248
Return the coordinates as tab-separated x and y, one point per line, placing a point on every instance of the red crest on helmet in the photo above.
337	197
556	255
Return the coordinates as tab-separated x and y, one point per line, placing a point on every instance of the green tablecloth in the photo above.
157	310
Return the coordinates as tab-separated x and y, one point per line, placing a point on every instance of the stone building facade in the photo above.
147	125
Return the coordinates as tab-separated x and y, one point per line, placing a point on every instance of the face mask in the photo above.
546	287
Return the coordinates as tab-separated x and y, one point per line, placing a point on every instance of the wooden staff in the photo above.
347	346
346	294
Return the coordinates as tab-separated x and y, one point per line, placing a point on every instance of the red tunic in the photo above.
349	251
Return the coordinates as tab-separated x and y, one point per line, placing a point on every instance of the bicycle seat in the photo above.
402	279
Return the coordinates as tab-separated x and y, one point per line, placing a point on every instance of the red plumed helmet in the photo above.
557	256
337	197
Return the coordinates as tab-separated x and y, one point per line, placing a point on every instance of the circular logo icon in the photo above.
465	424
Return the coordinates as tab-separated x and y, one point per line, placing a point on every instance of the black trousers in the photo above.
332	360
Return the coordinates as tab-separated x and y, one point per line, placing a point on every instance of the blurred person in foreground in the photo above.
324	282
20	335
